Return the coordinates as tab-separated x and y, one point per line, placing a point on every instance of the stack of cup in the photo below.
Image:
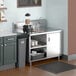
34	43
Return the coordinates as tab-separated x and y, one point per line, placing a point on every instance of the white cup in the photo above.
36	43
34	52
32	43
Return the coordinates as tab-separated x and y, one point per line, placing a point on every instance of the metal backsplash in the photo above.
40	24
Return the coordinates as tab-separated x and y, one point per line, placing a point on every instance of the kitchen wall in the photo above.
72	27
14	14
57	17
55	11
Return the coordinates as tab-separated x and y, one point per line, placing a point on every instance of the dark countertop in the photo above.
39	32
22	35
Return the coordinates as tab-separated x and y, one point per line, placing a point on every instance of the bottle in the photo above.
27	20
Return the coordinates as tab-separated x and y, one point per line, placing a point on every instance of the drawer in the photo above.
1	39
42	55
9	39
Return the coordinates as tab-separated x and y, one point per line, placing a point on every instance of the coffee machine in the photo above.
27	28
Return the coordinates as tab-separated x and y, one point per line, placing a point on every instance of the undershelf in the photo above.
3	20
2	8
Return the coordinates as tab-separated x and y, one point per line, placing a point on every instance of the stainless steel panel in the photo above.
21	52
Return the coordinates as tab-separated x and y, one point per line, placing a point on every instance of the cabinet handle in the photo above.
22	42
2	45
49	39
5	44
11	39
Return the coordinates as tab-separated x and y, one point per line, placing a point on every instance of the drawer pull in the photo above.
5	44
11	39
2	45
49	39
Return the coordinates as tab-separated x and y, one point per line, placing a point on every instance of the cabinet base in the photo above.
68	57
6	67
64	57
72	57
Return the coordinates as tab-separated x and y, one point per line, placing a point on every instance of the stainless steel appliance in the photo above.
21	50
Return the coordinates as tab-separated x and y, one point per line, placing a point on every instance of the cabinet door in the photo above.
53	44
1	54
9	53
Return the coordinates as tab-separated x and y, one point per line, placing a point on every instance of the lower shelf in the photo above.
39	59
37	56
43	59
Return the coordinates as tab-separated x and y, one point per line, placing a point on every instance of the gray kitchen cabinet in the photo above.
9	49
1	51
1	54
9	53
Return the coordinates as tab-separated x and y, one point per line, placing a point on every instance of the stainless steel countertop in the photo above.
42	31
45	31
